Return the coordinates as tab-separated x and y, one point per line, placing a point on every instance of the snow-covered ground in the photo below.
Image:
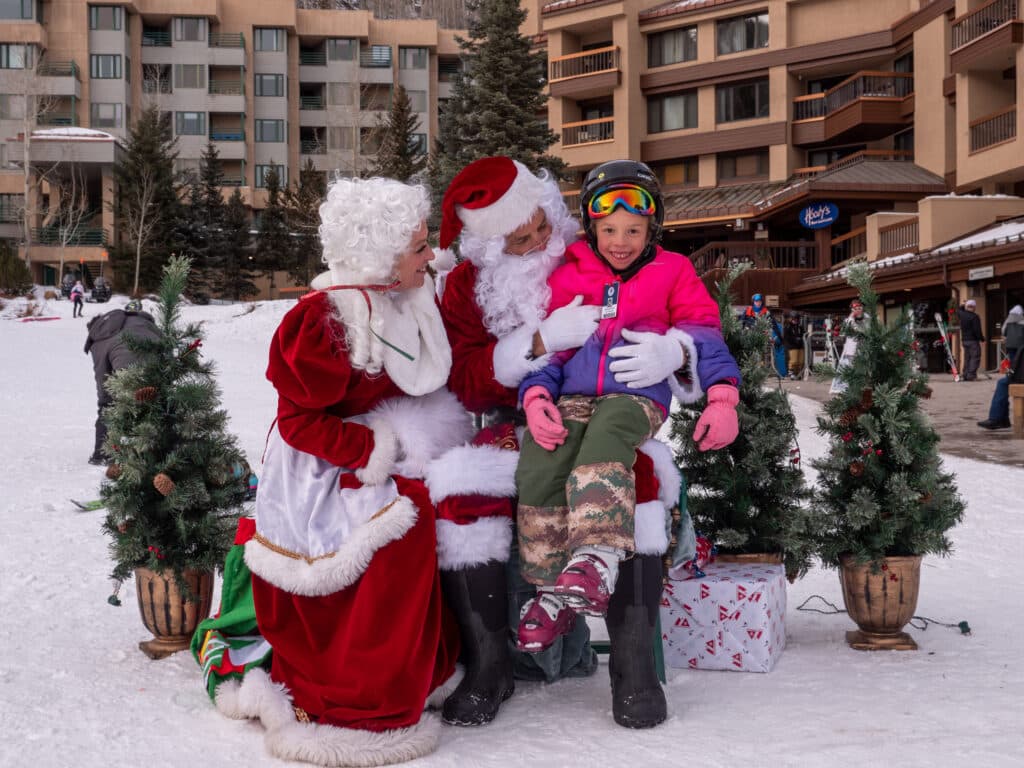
75	690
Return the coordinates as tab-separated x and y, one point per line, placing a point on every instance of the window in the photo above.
342	49
418	143
105	16
269	85
12	106
743	165
190	123
370	140
270	130
417	101
818	157
685	172
412	58
268	39
340	95
16	9
672	46
263	170
375	96
743	101
742	33
189	75
105	116
340	138
190	29
904	63
672	112
376	56
904	141
15	56
448	69
105	66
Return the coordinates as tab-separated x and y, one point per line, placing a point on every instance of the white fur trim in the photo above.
444	260
477	543
321	281
445	689
469	469
650	530
382	458
690	391
511	357
424	427
510	211
669	481
328	575
329	745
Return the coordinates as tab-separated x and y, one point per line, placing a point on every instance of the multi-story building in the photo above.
801	134
272	84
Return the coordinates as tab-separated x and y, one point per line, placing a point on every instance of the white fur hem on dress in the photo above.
476	543
512	361
329	574
472	469
686	391
257	696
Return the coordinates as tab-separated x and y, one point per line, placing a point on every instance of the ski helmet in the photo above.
135	305
624	173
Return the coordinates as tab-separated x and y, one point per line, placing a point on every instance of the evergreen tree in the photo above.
749	496
881	488
273	244
148	206
178	477
302	215
235	272
206	248
498	100
398	156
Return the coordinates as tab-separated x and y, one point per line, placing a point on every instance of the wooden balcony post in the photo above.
823	240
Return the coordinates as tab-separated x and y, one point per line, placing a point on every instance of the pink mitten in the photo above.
718	425
543	419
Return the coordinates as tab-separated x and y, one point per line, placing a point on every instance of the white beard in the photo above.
513	290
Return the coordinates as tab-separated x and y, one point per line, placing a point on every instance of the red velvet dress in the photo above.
366	655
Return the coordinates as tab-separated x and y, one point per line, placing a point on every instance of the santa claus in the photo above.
514	227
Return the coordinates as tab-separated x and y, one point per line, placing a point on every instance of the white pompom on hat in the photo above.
489	197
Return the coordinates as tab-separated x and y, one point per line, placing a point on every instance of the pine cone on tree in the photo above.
113	471
856	468
145	394
164	484
849	417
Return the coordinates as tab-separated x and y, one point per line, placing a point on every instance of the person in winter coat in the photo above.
794	338
77	297
576	484
999	408
1013	331
110	353
749	318
513	226
971	338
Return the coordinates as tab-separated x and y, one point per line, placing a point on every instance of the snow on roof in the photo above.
1007	232
73	132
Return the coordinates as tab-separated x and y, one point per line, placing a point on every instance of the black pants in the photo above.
972	358
76	310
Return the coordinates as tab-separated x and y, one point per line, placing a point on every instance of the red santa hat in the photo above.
489	197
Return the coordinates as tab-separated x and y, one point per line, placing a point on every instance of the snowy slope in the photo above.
76	692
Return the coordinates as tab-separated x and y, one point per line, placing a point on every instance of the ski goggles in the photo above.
632	198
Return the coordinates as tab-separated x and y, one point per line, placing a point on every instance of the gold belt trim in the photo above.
310	560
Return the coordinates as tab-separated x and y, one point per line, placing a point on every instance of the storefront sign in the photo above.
819	215
981	273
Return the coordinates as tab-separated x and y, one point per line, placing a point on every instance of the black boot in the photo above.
477	597
637	698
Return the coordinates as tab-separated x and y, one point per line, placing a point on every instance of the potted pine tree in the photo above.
175	484
882	494
749	499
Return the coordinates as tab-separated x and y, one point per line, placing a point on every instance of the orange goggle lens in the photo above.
634	199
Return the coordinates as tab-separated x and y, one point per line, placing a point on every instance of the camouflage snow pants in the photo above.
583	492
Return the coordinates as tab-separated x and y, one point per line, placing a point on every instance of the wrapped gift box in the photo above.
732	618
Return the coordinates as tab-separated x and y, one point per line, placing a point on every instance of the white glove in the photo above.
648	360
569	326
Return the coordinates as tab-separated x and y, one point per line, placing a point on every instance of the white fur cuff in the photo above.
686	391
650	531
472	469
477	543
382	458
512	361
424	426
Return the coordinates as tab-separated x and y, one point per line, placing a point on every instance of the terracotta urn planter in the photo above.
166	613
881	603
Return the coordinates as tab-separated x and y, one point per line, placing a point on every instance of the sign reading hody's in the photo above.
819	215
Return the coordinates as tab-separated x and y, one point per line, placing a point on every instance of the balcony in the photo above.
994	129
60	117
898	239
313	58
312	147
761	254
156	38
867	106
227	40
311	102
226	49
227	134
588	132
81	236
852	245
62	78
987	38
584	75
375	58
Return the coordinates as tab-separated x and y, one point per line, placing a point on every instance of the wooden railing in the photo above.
850	245
901	237
993	129
588	131
762	254
809	107
983	20
866	84
584	63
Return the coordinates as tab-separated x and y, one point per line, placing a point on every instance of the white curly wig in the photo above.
365	224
